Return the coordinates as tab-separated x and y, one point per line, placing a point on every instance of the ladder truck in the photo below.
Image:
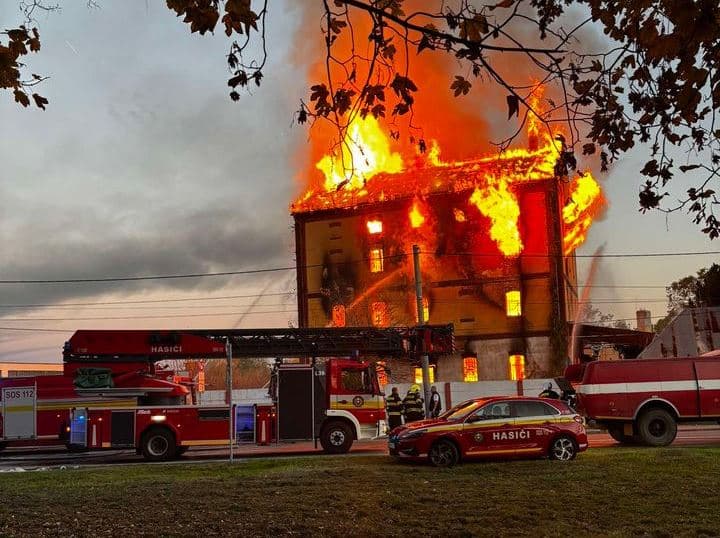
112	394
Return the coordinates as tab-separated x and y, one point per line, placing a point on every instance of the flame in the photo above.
500	205
367	171
416	217
586	201
374	227
365	152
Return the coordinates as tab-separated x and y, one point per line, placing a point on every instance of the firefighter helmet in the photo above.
415	388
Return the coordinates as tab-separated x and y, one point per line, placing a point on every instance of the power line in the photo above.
611	255
148	301
250	312
281	269
153	277
136	307
36	329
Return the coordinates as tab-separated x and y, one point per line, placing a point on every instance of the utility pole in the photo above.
229	387
424	359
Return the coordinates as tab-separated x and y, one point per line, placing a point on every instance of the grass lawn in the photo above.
617	492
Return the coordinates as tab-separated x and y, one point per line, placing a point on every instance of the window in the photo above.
492	411
376	260
470	369
532	409
356	381
382	373
338	315
426	310
418	374
378	314
513	304
374	227
516	366
460	410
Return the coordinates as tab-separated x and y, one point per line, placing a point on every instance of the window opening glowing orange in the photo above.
374	227
382	375
513	304
378	312
426	310
418	374
376	260
470	369
338	315
416	217
516	366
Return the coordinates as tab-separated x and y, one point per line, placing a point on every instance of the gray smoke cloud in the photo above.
142	165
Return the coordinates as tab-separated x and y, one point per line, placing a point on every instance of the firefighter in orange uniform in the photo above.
413	405
394	409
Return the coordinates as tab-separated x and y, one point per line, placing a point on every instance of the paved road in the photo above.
12	459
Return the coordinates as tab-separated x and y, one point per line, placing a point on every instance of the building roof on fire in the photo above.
425	179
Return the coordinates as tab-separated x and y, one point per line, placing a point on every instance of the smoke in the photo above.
466	126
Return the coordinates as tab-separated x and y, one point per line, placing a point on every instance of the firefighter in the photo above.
394	409
548	392
413	405
435	402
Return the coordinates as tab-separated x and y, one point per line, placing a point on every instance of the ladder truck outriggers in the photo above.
113	394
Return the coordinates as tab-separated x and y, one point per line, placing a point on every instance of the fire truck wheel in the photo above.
158	444
444	453
336	438
563	448
657	427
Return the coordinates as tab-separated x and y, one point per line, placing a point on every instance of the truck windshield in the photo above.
460	410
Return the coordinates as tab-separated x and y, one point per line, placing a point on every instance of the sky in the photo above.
142	165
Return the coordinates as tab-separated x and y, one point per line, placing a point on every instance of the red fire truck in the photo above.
643	400
112	395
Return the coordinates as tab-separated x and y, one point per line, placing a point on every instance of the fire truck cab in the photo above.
344	399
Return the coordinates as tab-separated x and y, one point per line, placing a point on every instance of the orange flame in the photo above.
586	201
416	217
500	205
365	152
367	171
374	227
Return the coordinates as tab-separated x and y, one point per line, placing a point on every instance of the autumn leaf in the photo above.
513	103
40	101
336	25
688	167
460	86
22	98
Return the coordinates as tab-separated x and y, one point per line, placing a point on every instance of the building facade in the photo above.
508	285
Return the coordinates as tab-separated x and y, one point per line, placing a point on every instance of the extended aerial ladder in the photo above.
158	345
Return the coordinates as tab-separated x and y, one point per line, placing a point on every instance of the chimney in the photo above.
644	322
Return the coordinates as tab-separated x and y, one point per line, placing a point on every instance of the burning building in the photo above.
497	238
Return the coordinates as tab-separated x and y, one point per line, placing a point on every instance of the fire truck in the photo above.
113	395
643	400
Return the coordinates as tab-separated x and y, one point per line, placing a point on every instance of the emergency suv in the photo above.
497	427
